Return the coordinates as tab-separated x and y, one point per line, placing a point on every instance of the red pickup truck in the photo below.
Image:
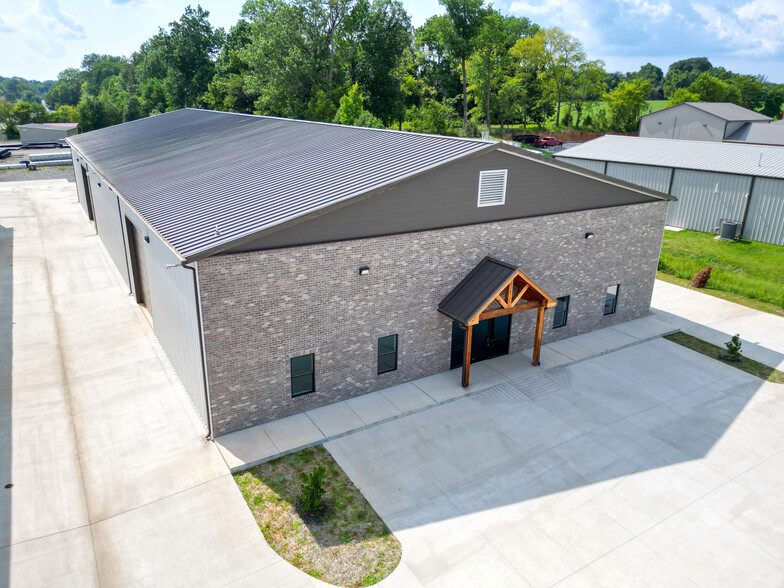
547	142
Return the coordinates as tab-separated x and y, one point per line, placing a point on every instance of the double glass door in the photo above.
490	339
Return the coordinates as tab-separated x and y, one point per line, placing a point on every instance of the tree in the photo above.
710	88
774	100
66	90
465	19
529	58
589	85
682	73
226	91
489	61
96	68
682	95
626	103
191	46
352	111
562	56
384	37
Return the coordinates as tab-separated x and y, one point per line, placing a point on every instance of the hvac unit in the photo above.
729	230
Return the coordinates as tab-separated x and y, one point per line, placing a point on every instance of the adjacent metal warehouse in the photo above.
46	132
712	181
275	271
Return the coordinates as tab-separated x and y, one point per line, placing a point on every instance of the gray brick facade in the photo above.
263	307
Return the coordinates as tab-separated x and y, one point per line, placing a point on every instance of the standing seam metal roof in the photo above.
476	289
759	133
732	158
729	111
190	172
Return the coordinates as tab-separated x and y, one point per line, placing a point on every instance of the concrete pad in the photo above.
247	447
373	408
292	432
60	560
441	387
510	366
645	328
129	546
632	564
573	350
335	419
281	574
407	397
548	357
47	497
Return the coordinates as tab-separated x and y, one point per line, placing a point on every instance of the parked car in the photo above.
548	142
530	139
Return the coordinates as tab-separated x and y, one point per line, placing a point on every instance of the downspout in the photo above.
201	349
746	206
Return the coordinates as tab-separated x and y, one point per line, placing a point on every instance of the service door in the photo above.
141	285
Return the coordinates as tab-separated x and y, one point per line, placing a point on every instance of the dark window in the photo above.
611	299
387	354
561	310
302	380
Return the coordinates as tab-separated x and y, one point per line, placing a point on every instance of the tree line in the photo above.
361	62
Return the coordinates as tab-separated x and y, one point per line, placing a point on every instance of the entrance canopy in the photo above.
494	288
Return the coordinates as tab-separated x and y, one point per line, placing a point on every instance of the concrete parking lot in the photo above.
652	465
649	466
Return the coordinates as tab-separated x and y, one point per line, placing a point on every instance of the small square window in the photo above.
611	299
302	375
561	310
387	354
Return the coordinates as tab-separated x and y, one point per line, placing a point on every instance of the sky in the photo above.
40	38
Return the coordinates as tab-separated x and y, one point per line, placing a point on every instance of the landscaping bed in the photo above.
346	543
750	366
746	272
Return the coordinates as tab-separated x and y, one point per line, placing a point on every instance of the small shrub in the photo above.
733	347
313	489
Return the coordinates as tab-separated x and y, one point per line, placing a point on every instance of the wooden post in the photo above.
538	338
467	357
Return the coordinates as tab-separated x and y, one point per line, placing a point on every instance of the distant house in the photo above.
46	132
285	265
700	121
712	181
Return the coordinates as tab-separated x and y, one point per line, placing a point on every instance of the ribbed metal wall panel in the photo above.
107	221
175	320
765	220
79	183
597	166
706	198
655	178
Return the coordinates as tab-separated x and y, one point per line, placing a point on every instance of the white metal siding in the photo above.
107	221
175	320
765	220
597	166
701	205
682	122
648	176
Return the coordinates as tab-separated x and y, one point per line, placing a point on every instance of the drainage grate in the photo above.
561	375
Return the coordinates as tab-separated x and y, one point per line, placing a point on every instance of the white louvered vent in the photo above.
492	187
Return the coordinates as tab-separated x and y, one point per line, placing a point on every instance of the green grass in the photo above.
749	366
347	544
749	270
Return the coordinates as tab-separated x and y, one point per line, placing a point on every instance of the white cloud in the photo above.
751	29
570	15
42	26
653	11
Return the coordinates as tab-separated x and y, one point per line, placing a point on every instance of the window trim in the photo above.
489	172
379	355
312	374
614	300
565	311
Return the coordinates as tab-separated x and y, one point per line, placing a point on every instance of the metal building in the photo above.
277	268
699	121
712	181
46	132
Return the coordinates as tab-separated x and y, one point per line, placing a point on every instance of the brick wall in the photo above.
261	308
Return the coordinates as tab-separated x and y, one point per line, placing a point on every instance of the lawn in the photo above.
749	366
746	272
347	544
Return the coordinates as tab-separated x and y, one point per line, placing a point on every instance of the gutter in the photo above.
205	381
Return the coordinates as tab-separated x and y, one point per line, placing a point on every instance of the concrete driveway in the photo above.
652	466
113	483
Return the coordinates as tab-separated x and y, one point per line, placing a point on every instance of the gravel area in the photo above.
42	173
